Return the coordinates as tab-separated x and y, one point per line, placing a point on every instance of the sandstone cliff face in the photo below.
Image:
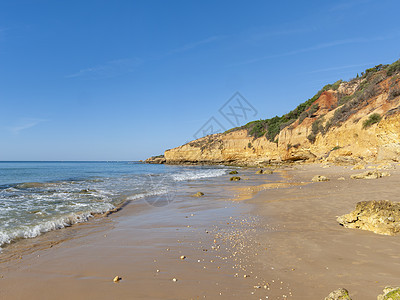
341	137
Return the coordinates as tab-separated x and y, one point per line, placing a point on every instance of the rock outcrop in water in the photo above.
345	123
382	217
160	159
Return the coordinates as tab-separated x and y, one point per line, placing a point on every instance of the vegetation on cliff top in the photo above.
271	127
368	87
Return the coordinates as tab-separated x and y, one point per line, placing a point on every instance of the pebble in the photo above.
117	278
174	280
183	257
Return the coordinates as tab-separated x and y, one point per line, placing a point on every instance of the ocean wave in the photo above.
198	174
32	231
156	192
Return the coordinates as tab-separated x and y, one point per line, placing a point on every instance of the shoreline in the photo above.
280	231
312	251
125	227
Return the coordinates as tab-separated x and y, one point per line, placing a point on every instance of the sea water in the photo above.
37	197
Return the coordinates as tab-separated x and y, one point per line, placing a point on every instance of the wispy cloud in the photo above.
348	5
108	70
273	33
339	68
123	66
25	124
319	47
197	44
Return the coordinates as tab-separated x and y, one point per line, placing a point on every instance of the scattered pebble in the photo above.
174	279
183	257
117	279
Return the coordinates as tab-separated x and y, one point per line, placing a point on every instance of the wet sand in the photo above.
277	239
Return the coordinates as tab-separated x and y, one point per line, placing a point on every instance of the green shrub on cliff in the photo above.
373	119
256	129
272	127
393	68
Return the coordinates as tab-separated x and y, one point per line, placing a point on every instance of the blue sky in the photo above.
123	80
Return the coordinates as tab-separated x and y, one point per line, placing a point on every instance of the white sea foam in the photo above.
198	174
31	231
156	192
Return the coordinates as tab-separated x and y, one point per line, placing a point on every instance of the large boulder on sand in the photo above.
390	293
319	178
382	217
339	294
370	175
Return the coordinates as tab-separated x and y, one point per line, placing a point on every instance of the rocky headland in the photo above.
345	123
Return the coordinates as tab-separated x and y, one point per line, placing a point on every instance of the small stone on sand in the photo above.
198	194
117	279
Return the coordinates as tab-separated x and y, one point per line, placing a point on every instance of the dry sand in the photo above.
282	242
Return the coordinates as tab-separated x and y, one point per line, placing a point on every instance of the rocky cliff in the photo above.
344	122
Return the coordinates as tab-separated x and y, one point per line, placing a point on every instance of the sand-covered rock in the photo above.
390	293
382	217
339	294
233	172
370	175
235	178
319	178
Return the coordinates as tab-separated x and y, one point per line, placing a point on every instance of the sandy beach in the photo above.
264	237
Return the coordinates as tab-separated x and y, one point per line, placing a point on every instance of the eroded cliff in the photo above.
345	122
